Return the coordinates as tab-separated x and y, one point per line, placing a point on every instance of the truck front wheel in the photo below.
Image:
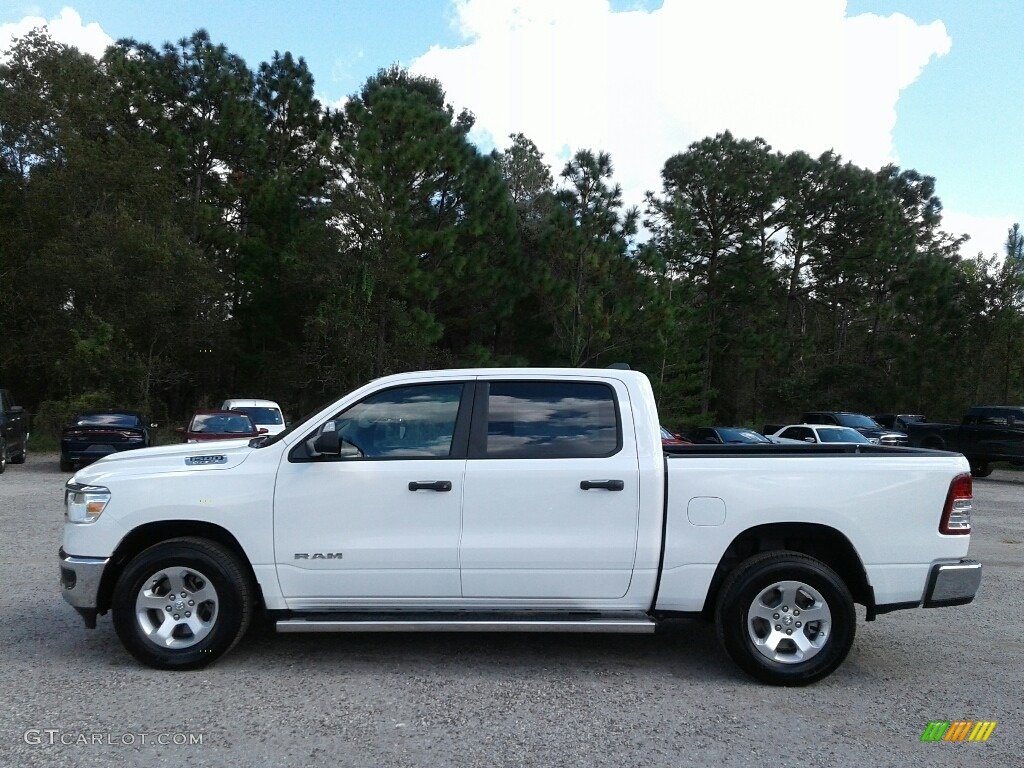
786	618
182	604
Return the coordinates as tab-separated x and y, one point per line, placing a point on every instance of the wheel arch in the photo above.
821	542
145	536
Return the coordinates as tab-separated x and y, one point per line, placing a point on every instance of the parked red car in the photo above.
669	438
220	425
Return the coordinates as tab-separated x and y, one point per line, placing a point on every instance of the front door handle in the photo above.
431	485
608	485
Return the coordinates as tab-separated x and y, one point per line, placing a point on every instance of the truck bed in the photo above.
789	449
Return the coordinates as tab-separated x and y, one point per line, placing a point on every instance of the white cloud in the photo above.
644	85
988	233
338	105
66	27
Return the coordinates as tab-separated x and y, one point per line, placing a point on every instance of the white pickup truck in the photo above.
513	500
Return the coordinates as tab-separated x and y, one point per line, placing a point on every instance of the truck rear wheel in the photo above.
182	604
786	618
981	468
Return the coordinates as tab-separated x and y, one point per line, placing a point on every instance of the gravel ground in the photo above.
73	697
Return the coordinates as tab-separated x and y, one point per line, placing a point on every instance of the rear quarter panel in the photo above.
887	505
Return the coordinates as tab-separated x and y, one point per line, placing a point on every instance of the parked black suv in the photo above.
14	431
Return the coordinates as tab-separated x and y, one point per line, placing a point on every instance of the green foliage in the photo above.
177	228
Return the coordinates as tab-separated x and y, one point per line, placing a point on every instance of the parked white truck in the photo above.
513	500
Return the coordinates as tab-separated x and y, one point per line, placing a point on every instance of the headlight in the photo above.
85	503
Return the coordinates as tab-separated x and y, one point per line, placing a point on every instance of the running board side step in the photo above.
623	626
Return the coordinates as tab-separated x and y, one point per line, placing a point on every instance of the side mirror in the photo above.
154	425
328	441
263	430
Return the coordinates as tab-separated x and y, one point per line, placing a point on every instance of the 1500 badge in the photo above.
318	555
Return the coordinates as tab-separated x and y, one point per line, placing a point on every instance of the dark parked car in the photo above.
867	426
220	425
14	431
95	434
899	421
988	433
727	436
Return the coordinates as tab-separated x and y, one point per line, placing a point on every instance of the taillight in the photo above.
956	515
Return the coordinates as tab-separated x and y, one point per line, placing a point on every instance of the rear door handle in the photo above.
608	485
431	485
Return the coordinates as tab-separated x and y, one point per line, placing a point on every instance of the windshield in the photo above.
107	420
261	415
742	436
222	424
857	421
840	435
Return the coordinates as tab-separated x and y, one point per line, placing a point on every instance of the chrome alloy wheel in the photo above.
176	607
789	622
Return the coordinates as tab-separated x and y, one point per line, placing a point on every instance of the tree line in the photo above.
177	228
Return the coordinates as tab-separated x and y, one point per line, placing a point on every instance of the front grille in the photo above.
891	440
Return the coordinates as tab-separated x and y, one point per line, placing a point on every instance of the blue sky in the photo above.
929	84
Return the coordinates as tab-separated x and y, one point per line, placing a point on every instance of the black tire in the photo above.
201	568
66	465
981	468
811	586
20	458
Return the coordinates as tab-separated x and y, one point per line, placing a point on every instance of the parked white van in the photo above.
266	413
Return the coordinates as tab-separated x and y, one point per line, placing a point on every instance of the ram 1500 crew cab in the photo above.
513	500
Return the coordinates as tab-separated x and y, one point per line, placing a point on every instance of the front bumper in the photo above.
86	454
952	583
80	581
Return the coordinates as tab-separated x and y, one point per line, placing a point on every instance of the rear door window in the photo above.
993	419
549	420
